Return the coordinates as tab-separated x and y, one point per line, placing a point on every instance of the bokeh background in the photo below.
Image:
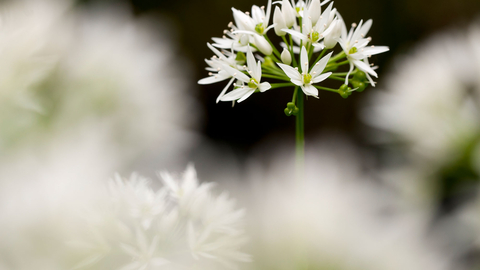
110	86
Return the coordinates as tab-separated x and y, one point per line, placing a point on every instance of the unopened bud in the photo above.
289	13
286	57
315	11
262	44
279	22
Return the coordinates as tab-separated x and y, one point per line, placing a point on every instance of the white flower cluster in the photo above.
183	225
91	72
305	30
432	101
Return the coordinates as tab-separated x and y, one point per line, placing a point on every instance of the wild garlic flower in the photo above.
312	31
307	77
182	225
253	83
354	45
305	29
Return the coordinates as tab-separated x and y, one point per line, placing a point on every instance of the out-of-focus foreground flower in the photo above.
335	218
94	73
182	225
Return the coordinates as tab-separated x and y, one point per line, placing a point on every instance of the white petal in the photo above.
251	63
236	74
237	93
375	50
310	90
257	75
212	79
362	30
315	11
246	96
364	67
321	64
264	86
297	82
290	72
296	34
322	77
225	89
304	60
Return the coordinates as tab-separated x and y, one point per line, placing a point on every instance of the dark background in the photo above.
397	24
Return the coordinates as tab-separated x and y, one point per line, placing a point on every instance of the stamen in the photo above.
230	24
296	68
210	74
354	25
373	46
248	13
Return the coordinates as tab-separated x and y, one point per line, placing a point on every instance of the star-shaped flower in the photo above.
313	31
354	44
252	83
307	78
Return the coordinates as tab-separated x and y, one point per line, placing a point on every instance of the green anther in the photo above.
353	50
259	28
307	78
253	83
298	9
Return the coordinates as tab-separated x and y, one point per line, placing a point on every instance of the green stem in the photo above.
326	88
280	85
336	78
320	56
300	136
284	78
337	57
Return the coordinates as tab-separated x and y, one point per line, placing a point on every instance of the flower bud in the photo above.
262	44
289	13
314	11
331	39
279	22
286	57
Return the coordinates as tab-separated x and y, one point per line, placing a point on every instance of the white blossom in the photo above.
354	44
308	76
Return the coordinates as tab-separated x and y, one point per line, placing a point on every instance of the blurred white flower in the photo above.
94	71
334	218
430	109
183	225
432	97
